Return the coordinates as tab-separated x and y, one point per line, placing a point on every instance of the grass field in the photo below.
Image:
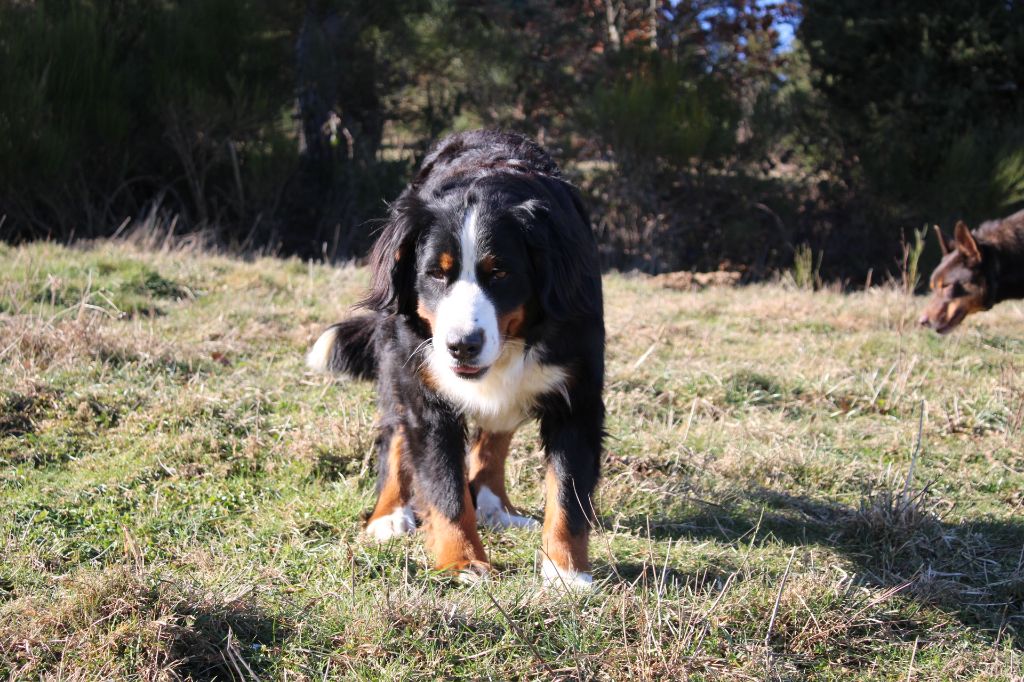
180	500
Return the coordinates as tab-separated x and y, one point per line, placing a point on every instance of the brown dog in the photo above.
977	271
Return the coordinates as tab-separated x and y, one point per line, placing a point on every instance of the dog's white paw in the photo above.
473	574
491	512
399	522
565	579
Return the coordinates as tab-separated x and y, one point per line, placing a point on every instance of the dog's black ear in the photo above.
943	244
393	259
564	253
966	245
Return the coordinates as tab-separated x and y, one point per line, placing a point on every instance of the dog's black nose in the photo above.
466	347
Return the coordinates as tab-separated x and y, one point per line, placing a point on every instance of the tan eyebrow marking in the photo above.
487	264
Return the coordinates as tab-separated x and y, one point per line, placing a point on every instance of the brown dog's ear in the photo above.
943	244
965	243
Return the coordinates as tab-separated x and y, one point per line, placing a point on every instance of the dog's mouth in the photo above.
946	326
469	371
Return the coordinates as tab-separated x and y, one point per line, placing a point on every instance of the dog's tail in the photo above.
347	348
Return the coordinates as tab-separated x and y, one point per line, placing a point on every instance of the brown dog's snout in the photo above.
931	316
934	316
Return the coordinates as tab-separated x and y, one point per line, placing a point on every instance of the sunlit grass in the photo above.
180	499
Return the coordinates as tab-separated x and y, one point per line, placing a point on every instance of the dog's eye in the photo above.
498	274
437	273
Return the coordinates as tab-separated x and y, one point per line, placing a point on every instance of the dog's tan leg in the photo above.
454	543
565	564
393	515
487	482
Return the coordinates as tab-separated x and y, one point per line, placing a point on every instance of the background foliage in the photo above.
701	136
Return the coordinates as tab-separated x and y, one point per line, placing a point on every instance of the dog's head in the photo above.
958	284
482	263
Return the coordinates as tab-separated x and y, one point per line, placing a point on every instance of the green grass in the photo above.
181	500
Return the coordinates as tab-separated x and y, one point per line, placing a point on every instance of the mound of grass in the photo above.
122	286
182	501
752	388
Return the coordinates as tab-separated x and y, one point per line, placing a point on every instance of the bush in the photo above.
925	101
665	111
107	105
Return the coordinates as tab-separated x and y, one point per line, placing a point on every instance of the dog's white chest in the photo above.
502	399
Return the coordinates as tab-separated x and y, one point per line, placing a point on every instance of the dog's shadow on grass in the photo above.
220	642
973	570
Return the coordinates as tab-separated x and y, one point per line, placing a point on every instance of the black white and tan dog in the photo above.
978	270
485	311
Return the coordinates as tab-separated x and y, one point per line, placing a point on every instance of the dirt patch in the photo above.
696	281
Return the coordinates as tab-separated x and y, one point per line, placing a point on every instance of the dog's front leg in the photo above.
445	503
572	441
392	515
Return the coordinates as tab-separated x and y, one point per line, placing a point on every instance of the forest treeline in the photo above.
704	133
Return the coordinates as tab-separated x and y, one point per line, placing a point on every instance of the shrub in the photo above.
107	105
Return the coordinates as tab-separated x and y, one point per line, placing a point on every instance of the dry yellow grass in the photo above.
181	501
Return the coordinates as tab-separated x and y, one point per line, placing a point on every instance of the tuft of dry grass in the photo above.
182	501
125	622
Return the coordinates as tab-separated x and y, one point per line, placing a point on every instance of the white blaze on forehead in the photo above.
465	307
467	245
